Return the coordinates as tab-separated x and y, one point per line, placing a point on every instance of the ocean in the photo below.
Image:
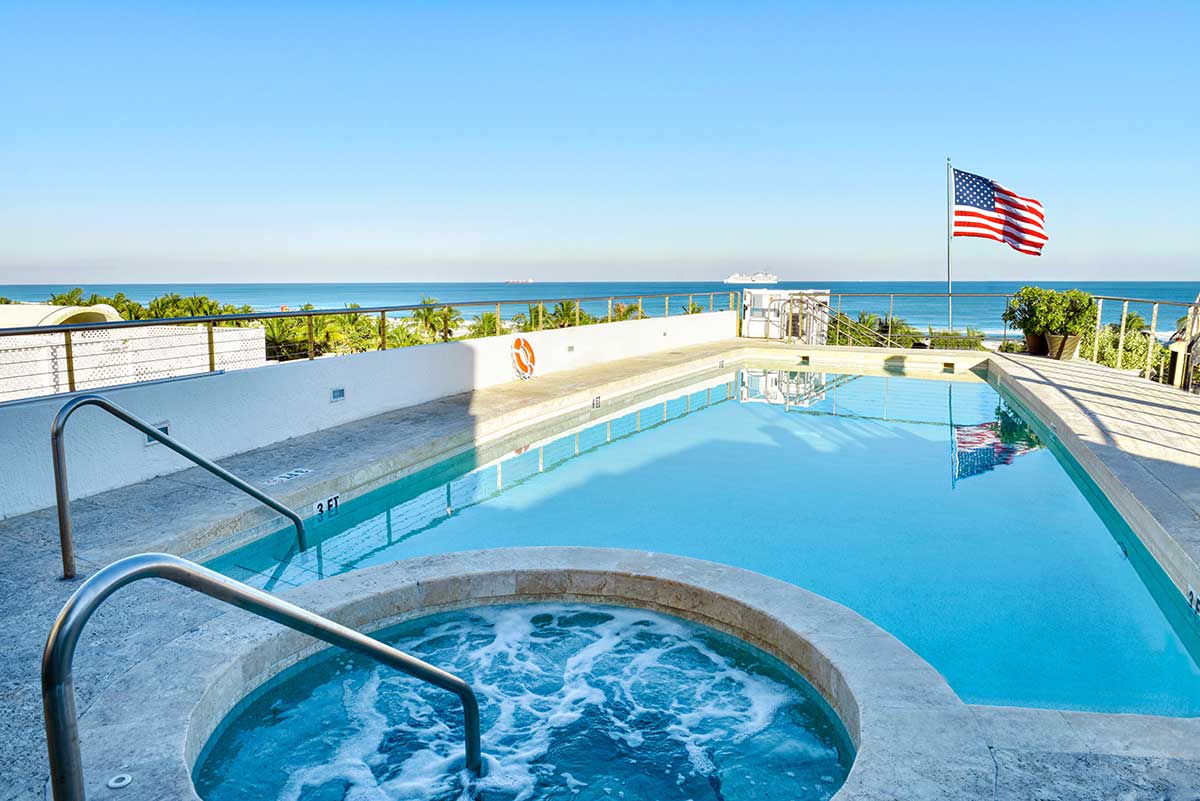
980	313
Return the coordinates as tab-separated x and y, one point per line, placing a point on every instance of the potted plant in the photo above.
1071	313
1029	311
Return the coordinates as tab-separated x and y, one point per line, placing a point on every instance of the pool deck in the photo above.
1140	441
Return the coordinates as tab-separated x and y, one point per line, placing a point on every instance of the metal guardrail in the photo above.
58	689
63	496
42	360
1179	369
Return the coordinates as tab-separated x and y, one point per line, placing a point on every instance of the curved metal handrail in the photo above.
63	497
58	691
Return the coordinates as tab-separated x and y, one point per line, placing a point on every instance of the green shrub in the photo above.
971	339
1137	345
1034	310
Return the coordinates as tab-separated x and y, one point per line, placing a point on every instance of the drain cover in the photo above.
119	781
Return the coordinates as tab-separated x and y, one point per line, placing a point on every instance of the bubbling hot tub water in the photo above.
578	702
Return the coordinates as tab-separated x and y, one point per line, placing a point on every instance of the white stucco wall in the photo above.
222	414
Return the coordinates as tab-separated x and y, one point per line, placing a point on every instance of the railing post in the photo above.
667	306
499	328
1152	345
541	315
311	350
891	307
383	330
610	309
577	308
838	319
711	295
1004	333
1099	326
690	302
212	350
70	362
1121	335
641	313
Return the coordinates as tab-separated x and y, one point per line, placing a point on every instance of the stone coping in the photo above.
910	729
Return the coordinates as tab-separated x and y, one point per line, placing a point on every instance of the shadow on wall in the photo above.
219	414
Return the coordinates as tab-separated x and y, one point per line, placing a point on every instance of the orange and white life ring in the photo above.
522	357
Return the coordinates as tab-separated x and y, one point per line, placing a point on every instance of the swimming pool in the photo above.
938	509
576	702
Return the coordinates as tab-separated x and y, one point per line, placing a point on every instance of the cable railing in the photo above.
58	688
46	360
1155	339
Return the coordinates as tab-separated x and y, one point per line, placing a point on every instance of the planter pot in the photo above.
1035	344
1062	346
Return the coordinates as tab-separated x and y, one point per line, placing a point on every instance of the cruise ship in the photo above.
759	277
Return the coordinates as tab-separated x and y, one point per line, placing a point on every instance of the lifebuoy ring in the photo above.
522	357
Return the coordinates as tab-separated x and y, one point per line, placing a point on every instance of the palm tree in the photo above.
1134	323
531	321
868	319
565	313
403	334
426	317
165	306
485	325
72	298
127	307
626	311
286	338
448	320
691	308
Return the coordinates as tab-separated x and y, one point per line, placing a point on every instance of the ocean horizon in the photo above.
982	313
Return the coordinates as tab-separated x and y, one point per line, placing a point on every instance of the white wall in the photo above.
226	413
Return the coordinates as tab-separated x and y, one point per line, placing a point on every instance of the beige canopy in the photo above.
19	315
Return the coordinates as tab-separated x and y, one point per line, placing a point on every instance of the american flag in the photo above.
979	448
986	209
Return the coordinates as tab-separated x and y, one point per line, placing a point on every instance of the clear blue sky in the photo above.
588	140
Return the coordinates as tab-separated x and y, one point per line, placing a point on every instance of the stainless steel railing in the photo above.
62	493
46	360
58	690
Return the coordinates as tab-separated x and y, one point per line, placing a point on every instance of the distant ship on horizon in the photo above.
759	277
519	281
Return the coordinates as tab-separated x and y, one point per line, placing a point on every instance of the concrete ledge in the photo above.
910	729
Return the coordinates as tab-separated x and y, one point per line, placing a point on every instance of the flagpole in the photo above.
949	238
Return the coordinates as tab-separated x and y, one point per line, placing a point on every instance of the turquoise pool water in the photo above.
589	703
931	507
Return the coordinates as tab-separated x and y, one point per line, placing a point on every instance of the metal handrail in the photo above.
58	690
62	493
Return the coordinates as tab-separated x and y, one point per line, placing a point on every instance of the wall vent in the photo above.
164	427
337	394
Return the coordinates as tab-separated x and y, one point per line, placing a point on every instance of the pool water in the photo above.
938	509
577	702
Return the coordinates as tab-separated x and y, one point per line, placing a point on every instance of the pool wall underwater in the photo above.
909	728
